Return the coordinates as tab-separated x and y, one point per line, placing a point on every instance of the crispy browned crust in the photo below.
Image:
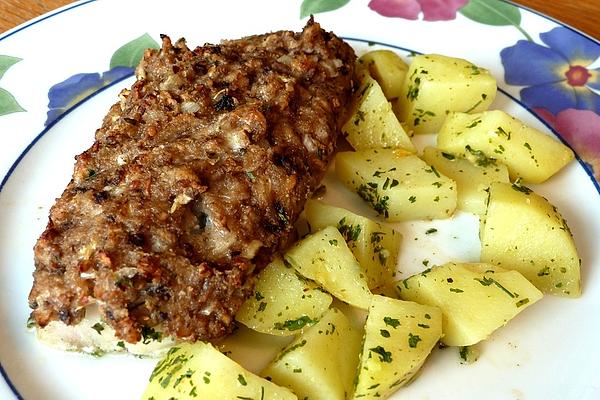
196	175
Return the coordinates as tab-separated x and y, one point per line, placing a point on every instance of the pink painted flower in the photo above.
581	130
433	10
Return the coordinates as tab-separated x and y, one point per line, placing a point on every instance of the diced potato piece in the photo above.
475	299
321	363
523	231
387	68
325	258
399	335
436	85
398	185
527	152
372	122
283	302
472	180
374	245
199	371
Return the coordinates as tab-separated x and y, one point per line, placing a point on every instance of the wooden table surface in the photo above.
580	14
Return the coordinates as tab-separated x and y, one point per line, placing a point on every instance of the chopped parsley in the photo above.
500	131
294	324
382	252
474	123
448	156
349	232
360	117
544	271
480	158
413	340
389	183
432	170
413	91
149	334
98	352
520	188
522	302
385	356
370	194
468	354
393	322
473	107
474	69
289	350
98	327
188	374
488	281
421	116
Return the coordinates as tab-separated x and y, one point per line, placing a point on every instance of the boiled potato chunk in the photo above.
374	245
283	302
325	258
472	180
387	68
199	371
475	299
321	363
398	185
528	153
372	122
436	85
523	231
399	335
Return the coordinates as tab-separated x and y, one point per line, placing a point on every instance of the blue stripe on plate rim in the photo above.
585	167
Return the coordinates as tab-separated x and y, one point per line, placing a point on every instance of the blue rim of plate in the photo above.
46	129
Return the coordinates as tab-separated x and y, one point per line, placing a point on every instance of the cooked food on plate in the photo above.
192	185
180	219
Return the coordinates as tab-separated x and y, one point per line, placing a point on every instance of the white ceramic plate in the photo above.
550	351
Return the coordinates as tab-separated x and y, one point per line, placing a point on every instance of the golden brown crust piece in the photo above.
195	178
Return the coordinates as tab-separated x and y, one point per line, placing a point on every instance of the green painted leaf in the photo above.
130	54
309	7
6	62
8	104
492	12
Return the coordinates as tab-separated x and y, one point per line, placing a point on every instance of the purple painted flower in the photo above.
557	75
66	94
433	10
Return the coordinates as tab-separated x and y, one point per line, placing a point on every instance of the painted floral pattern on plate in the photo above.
69	93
